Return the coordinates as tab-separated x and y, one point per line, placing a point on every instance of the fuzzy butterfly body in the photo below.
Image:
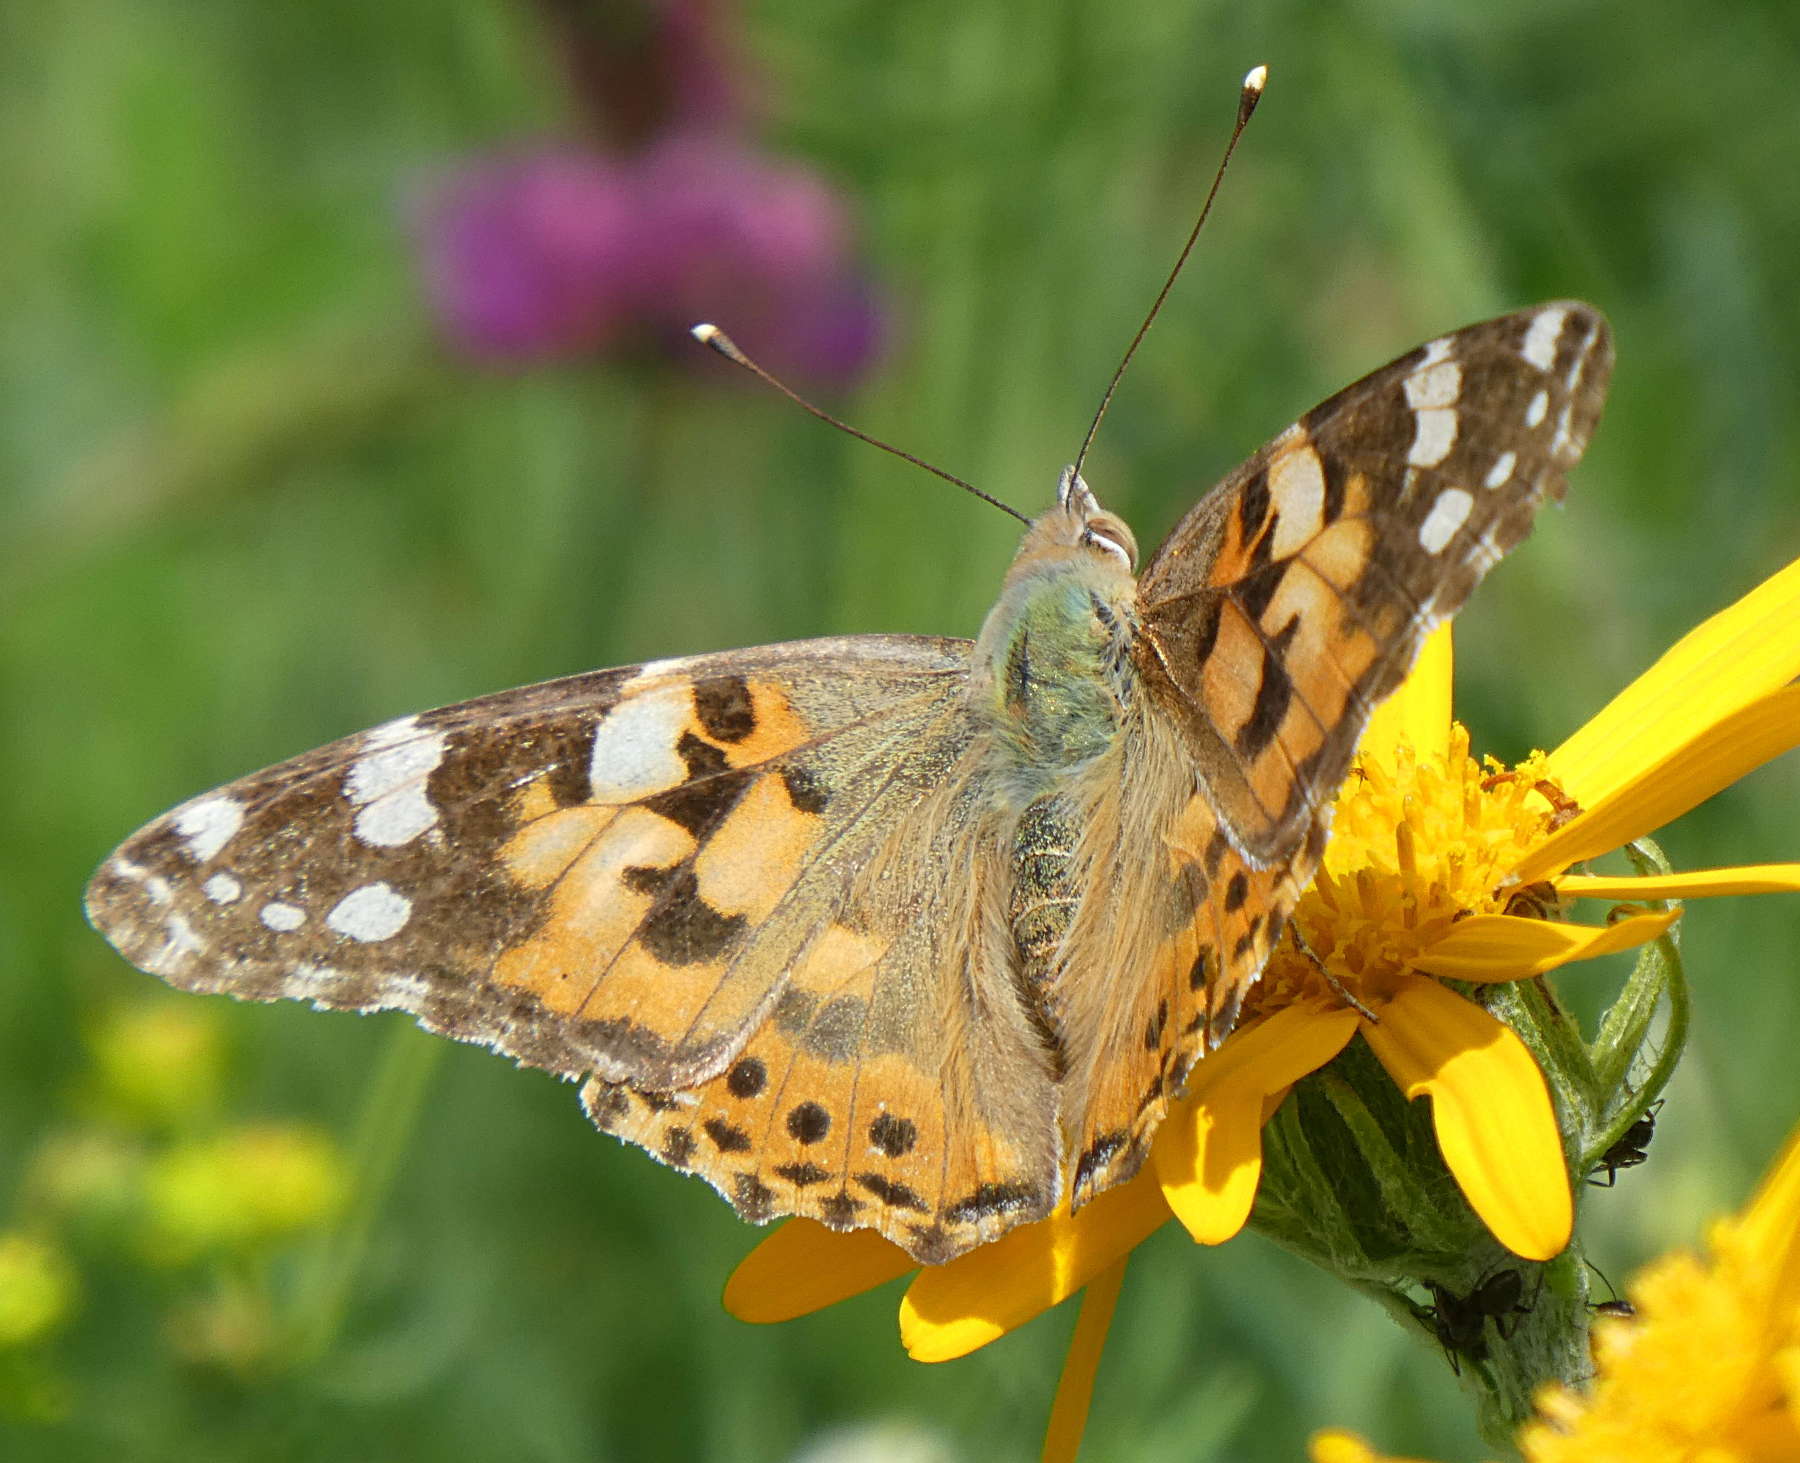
914	934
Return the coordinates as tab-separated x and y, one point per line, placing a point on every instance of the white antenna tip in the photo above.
1256	78
715	338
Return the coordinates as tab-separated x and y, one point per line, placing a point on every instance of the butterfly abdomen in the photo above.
1040	907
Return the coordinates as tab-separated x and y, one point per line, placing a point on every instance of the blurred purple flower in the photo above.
561	251
534	256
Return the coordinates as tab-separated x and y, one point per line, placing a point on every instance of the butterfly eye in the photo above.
1099	536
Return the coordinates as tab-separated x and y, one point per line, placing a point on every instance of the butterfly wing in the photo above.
1279	612
657	878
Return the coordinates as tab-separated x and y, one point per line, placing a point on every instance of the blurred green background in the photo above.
250	501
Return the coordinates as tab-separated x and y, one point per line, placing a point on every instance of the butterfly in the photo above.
916	934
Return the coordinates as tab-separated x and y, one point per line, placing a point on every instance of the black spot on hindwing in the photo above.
808	1123
726	1137
893	1136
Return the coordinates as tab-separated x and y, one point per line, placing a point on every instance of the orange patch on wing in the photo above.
656	993
534	801
542	850
751	860
1340	555
593	912
777	727
1233	672
837	956
1192	832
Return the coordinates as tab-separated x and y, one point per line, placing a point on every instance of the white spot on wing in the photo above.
1434	434
655	670
1501	472
390	732
1534	414
155	887
1447	515
1540	339
1297	488
283	918
1431	386
222	888
635	748
208	825
1435	351
1559	444
373	912
182	942
388	783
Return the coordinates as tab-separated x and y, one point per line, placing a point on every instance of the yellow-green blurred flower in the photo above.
38	1288
239	1189
1707	1371
1428	855
158	1062
88	1181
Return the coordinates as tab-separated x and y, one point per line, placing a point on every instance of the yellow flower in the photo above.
158	1062
1428	851
37	1288
240	1188
1707	1371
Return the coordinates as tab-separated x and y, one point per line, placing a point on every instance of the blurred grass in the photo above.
246	506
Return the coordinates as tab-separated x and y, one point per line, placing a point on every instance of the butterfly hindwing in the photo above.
1286	605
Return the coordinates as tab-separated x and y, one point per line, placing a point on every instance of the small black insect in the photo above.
1632	1148
1460	1322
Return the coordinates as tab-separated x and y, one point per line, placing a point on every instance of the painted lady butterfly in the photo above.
899	932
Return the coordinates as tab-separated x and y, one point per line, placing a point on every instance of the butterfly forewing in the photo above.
1290	601
1296	595
649	877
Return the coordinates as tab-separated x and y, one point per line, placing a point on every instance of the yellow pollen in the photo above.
1416	844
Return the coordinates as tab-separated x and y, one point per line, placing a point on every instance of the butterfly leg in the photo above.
1342	991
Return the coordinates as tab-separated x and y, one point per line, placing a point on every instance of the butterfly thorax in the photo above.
1051	672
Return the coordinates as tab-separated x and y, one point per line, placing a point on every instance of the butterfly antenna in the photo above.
1248	97
718	340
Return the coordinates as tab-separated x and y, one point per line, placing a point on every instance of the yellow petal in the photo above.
1661	781
803	1267
952	1309
1770	1226
1068	1414
1490	947
1492	1112
1738	656
1419	712
1208	1153
1334	1445
1693	884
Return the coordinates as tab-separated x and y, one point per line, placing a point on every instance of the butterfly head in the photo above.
1078	513
1048	667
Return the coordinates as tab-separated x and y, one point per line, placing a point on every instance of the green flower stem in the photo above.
1353	1181
390	1111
